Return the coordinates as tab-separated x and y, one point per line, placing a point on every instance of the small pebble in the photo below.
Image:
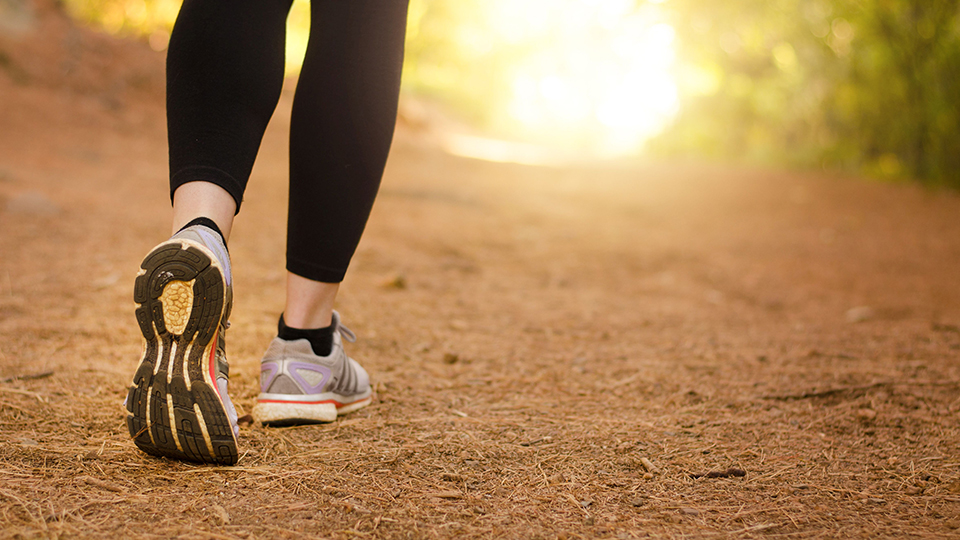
396	282
859	314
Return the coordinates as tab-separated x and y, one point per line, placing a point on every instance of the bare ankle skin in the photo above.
309	303
203	199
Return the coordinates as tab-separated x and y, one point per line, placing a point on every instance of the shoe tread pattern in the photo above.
147	401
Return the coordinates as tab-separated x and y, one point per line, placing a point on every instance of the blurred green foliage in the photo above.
453	57
129	17
450	54
864	85
446	55
871	86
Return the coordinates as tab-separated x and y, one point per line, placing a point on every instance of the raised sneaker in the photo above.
178	404
298	386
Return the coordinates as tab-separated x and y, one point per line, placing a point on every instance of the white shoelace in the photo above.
346	333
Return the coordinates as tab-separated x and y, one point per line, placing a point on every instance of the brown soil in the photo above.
558	352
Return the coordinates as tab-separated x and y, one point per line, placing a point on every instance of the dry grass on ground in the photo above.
558	352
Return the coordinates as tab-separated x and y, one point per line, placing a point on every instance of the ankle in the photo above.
321	339
309	303
208	223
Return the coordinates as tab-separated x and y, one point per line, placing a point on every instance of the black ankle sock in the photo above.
208	223
321	339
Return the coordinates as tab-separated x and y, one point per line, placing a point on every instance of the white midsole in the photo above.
287	409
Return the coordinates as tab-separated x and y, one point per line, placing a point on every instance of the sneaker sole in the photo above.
288	412
174	405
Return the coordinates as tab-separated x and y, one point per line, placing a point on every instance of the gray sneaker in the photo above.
299	387
178	404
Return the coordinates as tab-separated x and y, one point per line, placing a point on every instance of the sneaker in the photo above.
300	387
178	405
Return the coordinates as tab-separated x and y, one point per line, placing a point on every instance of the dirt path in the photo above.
557	352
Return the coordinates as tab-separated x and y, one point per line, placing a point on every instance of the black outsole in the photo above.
151	395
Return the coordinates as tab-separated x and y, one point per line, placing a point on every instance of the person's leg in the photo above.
225	67
224	72
203	199
309	303
344	115
342	125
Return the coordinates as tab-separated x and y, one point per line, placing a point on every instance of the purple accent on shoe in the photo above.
292	371
228	405
274	369
212	241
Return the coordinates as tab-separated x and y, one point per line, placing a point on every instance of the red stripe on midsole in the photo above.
212	363
337	403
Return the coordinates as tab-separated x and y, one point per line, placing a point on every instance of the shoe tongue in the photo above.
213	241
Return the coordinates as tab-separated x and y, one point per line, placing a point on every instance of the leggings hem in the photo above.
213	175
314	272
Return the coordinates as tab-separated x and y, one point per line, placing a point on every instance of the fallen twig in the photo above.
729	473
844	389
39	397
101	484
31	377
578	504
648	465
447	495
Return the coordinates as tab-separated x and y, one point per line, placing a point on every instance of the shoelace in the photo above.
346	333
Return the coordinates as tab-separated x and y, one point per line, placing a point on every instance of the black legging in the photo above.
225	70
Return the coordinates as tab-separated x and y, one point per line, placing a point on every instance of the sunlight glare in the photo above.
600	77
592	77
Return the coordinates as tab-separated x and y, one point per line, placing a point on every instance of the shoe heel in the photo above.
174	410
